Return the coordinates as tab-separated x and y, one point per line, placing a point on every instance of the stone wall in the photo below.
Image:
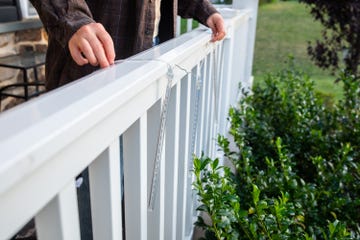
15	43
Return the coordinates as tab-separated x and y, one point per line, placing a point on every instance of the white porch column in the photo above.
253	5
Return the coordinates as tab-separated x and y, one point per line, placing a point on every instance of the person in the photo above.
84	35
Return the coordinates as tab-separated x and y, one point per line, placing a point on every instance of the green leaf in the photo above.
215	164
243	214
255	194
204	163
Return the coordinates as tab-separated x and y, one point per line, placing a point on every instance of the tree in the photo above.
341	34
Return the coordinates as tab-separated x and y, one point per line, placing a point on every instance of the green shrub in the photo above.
296	161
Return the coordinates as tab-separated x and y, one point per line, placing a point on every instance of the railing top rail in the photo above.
35	131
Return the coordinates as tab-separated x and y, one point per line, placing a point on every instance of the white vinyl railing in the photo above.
47	142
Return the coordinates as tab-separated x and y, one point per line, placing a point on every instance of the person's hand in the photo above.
92	44
217	25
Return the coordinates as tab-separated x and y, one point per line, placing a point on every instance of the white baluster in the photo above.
135	180
59	219
105	190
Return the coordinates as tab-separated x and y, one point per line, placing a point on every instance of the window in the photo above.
26	9
9	11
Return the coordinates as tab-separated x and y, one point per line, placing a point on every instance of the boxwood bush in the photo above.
295	170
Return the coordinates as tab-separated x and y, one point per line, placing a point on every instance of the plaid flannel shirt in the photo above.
129	22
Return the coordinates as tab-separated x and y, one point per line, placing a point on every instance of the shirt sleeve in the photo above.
199	10
62	18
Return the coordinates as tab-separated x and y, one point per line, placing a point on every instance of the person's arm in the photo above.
70	23
205	13
62	18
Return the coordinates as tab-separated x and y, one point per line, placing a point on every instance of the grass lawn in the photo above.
284	29
183	23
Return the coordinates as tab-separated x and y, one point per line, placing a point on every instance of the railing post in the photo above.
234	58
178	26
253	6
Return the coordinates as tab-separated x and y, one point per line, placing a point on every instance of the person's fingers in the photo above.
98	50
108	46
219	35
102	46
88	50
77	54
220	27
80	48
218	32
92	44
